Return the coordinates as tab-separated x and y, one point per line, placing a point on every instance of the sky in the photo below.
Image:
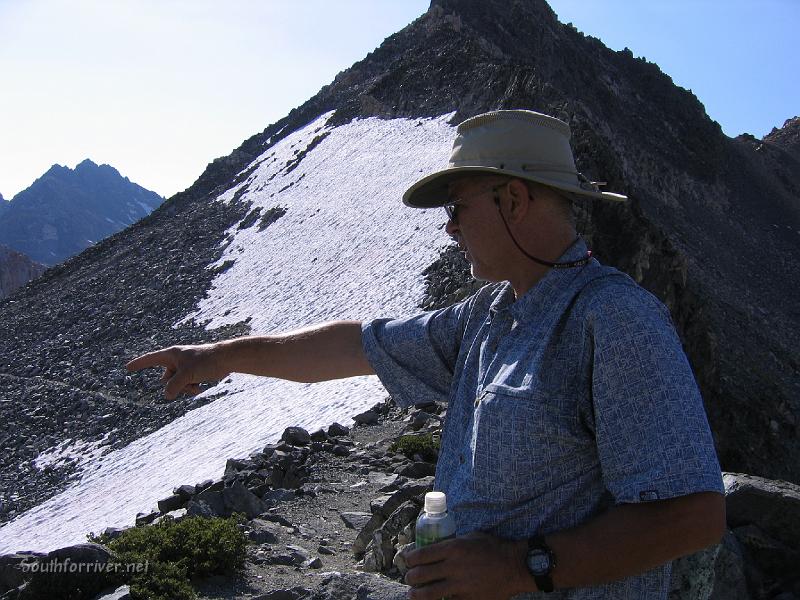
159	88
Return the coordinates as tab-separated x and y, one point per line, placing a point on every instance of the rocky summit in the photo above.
67	210
712	228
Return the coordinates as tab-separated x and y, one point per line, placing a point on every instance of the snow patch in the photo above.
346	248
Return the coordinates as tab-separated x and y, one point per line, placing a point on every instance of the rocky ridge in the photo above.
330	512
16	270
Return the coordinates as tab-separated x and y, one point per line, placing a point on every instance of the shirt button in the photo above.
461	458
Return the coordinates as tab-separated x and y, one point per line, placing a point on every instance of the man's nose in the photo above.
451	228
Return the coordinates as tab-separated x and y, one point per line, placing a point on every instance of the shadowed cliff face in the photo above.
711	228
16	270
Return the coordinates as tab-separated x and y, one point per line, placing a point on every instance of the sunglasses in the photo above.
452	212
452	208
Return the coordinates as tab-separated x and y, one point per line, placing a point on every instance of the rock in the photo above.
121	593
299	555
14	569
113	533
263	532
384	480
296	436
236	465
186	491
386	505
234	499
355	520
385	537
171	503
173	514
146	518
66	572
419	419
314	563
336	430
399	557
364	536
319	436
772	556
369	417
294	593
276	519
358	586
279	495
716	573
340	450
774	506
416	470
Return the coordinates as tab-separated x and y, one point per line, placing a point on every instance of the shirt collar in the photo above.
548	289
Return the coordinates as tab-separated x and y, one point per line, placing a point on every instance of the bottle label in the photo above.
426	539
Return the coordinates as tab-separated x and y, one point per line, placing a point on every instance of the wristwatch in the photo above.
540	562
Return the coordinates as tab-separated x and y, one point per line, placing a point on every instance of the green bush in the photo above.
175	551
426	445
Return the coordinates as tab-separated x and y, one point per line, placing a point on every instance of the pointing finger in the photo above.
161	358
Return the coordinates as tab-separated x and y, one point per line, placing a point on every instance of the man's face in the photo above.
476	225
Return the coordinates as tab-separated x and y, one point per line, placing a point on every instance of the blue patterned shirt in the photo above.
572	398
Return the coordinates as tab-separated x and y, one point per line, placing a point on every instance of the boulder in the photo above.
75	571
121	593
361	586
384	539
716	573
296	436
774	506
170	503
336	430
355	520
234	499
369	417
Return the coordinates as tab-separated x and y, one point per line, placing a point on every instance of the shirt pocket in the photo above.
523	444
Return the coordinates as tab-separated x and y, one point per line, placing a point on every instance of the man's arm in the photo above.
626	540
317	353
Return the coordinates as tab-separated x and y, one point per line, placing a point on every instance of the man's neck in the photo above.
529	273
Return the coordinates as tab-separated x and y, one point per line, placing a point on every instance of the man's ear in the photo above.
519	200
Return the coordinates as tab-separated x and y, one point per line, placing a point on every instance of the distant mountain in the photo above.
67	210
16	270
4	204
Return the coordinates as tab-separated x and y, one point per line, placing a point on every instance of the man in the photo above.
576	455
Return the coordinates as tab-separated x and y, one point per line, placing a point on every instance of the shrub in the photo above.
426	445
175	551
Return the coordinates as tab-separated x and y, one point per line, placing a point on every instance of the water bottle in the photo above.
433	523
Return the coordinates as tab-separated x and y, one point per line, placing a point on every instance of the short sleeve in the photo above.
652	434
415	357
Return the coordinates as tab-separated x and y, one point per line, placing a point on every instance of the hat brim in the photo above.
431	191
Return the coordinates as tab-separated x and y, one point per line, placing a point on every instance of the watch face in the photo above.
538	562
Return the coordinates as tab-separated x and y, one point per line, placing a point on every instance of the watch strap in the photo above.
543	580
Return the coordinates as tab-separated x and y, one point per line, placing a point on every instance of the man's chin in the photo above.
477	274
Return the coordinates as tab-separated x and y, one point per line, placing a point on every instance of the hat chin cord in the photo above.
554	265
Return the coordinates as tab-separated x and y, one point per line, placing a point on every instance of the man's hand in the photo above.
477	566
185	367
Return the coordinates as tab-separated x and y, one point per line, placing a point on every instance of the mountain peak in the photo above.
787	137
85	164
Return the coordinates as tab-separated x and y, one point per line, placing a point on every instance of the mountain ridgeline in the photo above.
711	228
67	210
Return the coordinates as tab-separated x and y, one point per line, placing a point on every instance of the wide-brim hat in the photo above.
517	143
